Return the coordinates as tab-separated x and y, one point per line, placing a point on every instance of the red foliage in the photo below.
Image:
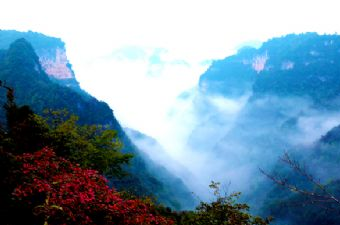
63	193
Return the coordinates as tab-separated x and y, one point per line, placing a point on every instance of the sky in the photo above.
139	56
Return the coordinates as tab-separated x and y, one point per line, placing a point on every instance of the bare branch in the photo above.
303	172
325	197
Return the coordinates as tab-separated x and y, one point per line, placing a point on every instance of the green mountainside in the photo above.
290	87
254	107
293	65
20	69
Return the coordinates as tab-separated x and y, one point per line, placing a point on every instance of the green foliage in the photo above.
224	210
21	70
100	146
91	146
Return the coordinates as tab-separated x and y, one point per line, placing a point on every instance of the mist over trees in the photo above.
61	183
260	103
53	162
20	68
275	107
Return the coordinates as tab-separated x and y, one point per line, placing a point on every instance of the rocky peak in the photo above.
51	55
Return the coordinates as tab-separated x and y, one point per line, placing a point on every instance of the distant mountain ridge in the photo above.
23	70
284	96
292	65
302	67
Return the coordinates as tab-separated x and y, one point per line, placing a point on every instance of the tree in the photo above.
225	210
91	146
26	132
59	192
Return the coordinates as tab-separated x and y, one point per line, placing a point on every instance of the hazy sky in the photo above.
140	55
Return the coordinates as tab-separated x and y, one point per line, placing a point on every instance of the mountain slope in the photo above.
283	96
21	69
292	65
291	78
155	152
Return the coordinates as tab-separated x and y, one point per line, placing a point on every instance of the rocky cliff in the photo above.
51	52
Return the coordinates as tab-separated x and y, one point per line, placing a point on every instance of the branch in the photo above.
326	197
303	172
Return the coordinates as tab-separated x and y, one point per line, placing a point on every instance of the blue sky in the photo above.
140	55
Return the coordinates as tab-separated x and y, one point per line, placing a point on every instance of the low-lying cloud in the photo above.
227	140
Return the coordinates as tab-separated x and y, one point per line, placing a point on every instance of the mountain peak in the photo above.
22	53
51	53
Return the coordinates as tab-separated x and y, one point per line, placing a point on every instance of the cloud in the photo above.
140	84
133	53
227	140
315	124
177	36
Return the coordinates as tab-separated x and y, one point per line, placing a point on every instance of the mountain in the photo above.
35	85
285	82
255	105
232	76
321	161
292	65
21	69
309	67
51	52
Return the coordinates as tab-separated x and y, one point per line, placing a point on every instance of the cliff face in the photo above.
57	67
51	52
56	64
